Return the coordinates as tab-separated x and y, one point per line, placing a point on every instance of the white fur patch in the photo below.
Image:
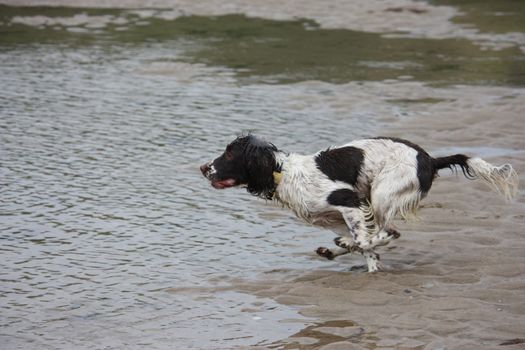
388	184
504	179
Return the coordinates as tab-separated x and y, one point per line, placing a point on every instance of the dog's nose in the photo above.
205	168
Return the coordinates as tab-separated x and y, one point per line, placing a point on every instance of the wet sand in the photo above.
455	279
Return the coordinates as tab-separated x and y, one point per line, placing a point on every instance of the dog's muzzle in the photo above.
207	170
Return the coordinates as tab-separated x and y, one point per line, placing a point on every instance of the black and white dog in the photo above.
355	190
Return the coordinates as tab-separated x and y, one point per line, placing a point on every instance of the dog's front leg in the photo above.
331	254
359	236
360	240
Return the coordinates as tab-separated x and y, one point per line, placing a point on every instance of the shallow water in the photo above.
103	206
110	236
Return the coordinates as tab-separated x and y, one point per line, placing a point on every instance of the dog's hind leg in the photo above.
372	260
396	191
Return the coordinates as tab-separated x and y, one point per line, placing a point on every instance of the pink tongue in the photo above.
223	183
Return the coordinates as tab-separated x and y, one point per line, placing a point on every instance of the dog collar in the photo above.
277	177
276	180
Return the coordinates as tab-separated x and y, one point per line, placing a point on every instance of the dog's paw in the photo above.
393	233
344	242
325	252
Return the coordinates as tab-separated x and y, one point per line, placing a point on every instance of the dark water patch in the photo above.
316	336
429	100
488	16
268	51
513	342
44	29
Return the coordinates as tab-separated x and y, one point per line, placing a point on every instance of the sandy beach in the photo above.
454	280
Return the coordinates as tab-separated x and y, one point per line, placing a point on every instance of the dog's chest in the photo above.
303	189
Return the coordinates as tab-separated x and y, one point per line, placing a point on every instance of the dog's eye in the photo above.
228	155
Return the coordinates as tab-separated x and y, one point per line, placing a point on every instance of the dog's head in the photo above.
247	161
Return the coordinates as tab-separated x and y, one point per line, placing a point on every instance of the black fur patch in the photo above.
249	161
451	162
344	198
426	171
341	164
260	163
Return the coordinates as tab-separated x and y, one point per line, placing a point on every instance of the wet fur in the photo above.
355	189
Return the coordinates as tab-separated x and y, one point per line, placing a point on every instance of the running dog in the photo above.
355	189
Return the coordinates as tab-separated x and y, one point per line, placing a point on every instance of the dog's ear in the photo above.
260	165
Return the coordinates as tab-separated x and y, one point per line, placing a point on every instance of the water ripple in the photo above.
103	206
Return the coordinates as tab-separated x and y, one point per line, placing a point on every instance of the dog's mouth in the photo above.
220	184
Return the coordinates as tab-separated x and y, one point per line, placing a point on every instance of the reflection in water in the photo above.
342	332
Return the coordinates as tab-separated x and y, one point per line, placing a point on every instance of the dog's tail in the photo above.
503	179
